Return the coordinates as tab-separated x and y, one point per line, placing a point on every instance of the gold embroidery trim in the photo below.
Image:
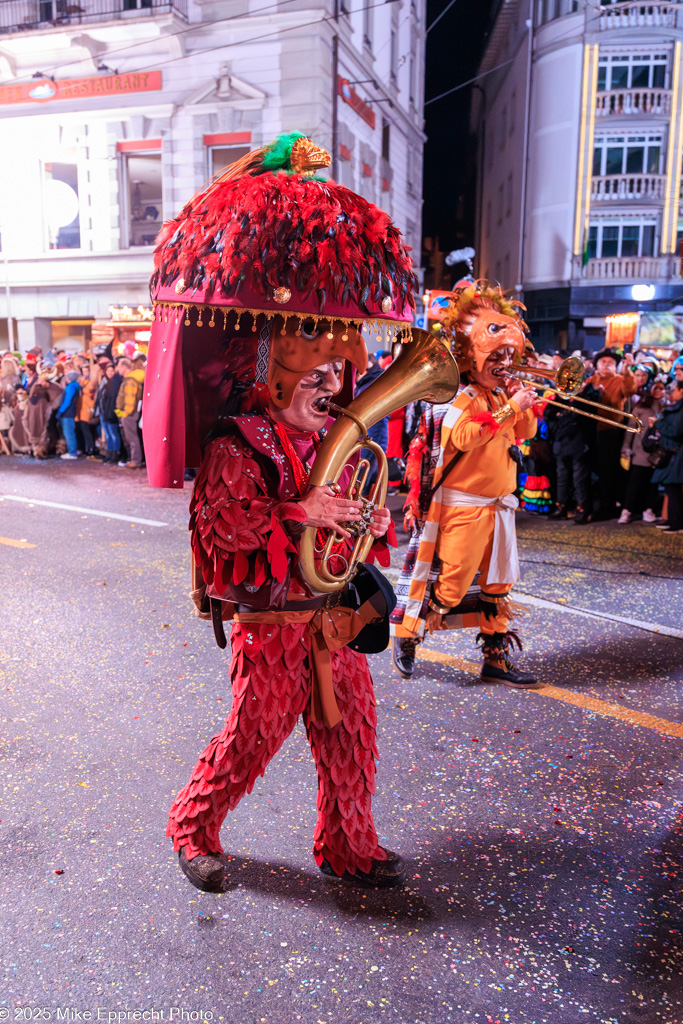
205	314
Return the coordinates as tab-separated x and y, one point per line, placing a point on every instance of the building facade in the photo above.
115	111
579	121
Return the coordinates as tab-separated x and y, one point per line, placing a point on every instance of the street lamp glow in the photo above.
61	202
642	292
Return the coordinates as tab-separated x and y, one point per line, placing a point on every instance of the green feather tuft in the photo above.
277	154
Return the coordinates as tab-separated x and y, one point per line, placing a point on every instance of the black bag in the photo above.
650	441
658	457
369	584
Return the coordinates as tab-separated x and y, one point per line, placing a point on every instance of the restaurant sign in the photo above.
350	96
107	86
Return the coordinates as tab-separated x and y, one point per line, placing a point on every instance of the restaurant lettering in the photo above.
45	90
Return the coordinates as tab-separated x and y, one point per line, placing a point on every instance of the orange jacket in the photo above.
614	390
486	467
86	403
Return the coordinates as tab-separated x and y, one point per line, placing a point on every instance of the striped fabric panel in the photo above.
433	418
426	568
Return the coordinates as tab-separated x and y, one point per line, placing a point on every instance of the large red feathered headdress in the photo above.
262	246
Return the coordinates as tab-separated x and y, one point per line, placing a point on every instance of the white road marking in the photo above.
85	511
650	627
539	602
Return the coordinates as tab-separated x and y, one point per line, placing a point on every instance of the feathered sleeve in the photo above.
238	530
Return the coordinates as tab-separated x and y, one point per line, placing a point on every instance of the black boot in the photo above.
582	517
559	512
403	655
498	667
205	873
382	875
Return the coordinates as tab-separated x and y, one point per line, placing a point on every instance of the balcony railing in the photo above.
647	188
25	15
613	269
633	102
636	14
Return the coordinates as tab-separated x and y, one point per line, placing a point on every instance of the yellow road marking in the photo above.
449	659
15	543
601	707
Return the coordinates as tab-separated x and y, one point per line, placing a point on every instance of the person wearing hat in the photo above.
614	383
261	288
30	375
67	411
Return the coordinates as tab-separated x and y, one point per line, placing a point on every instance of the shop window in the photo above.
61	205
221	157
144	197
71	335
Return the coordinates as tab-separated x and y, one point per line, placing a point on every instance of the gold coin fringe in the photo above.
205	315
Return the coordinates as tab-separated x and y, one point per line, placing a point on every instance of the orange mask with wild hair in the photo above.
492	330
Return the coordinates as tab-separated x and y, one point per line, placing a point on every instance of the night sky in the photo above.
454	49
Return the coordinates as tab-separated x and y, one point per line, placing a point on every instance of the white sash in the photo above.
504	565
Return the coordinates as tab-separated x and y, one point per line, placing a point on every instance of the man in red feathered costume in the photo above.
251	502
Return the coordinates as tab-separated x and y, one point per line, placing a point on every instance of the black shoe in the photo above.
205	873
403	655
582	517
382	875
559	512
502	670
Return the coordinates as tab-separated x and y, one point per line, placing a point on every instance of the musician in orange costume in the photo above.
308	262
462	512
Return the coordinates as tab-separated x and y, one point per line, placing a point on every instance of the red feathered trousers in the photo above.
271	687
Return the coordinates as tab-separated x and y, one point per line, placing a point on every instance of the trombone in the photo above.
569	379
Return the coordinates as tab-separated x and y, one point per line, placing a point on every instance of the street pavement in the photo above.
542	830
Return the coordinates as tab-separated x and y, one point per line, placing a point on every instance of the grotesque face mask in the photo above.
317	343
493	330
308	409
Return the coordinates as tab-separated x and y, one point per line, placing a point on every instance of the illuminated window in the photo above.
144	197
61	205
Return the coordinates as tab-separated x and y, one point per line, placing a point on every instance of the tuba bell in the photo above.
425	370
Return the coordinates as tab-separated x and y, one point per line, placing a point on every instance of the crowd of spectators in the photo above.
577	468
70	406
589	470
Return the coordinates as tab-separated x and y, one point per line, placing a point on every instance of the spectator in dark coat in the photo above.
670	427
573	440
108	417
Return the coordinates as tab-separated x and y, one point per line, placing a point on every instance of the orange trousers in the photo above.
465	545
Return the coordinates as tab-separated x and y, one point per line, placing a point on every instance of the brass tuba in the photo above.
424	369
